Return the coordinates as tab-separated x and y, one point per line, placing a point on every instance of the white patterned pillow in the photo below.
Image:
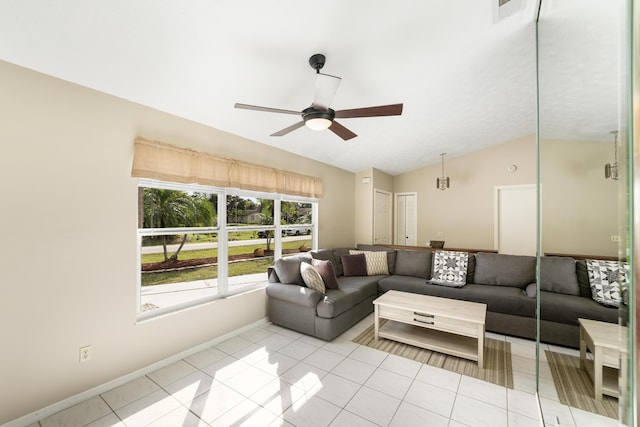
450	268
608	281
311	277
376	261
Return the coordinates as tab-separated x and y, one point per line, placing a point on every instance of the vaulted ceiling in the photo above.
466	80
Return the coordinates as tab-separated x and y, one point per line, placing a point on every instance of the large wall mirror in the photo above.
583	58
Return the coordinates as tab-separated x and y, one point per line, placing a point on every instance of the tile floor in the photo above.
271	376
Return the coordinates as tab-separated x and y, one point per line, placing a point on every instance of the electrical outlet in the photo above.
85	353
440	233
615	238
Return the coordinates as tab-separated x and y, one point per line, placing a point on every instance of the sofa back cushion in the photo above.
413	263
583	278
288	269
505	270
391	254
337	256
558	274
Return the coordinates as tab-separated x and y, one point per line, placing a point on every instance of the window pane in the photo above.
163	208
250	254
176	269
295	213
292	243
249	211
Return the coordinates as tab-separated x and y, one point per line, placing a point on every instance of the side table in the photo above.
604	341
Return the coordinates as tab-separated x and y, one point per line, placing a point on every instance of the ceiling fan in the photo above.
319	116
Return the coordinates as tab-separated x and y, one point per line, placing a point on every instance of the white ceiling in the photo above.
465	81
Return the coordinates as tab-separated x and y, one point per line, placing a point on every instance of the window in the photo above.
199	243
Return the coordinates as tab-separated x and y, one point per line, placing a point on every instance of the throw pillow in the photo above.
376	262
608	280
327	272
354	265
311	277
450	268
531	291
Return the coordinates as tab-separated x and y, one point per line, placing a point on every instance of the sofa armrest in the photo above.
295	294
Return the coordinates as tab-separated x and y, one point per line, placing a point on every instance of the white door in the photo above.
381	217
515	219
406	219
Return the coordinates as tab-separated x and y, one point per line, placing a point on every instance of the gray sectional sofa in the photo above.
506	283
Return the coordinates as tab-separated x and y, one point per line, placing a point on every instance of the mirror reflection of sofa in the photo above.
506	283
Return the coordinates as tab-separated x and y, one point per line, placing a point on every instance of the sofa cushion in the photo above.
288	269
505	270
558	274
567	309
583	278
376	261
352	291
337	256
499	299
327	272
326	255
311	277
354	265
450	268
413	263
391	254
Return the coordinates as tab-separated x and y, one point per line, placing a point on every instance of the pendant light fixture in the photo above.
442	183
611	170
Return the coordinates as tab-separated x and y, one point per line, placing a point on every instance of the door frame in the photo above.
496	207
395	213
390	222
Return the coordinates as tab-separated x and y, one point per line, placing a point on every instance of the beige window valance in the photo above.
164	162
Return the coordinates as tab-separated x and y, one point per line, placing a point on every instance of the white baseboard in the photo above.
39	414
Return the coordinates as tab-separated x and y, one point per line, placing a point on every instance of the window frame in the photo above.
222	230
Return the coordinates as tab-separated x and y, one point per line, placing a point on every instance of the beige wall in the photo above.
464	212
68	253
580	208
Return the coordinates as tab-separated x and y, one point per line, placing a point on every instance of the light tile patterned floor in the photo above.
270	376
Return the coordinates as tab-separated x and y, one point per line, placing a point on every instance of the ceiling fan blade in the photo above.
341	131
267	109
382	110
289	129
326	87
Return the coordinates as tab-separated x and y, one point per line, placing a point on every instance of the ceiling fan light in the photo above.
318	123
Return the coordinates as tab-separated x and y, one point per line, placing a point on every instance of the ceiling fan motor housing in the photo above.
313	113
317	61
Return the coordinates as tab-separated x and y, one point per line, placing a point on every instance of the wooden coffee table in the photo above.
607	343
439	324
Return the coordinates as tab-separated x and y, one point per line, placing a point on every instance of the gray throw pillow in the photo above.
288	270
413	263
558	274
504	270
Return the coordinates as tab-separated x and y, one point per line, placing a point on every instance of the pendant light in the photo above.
442	183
